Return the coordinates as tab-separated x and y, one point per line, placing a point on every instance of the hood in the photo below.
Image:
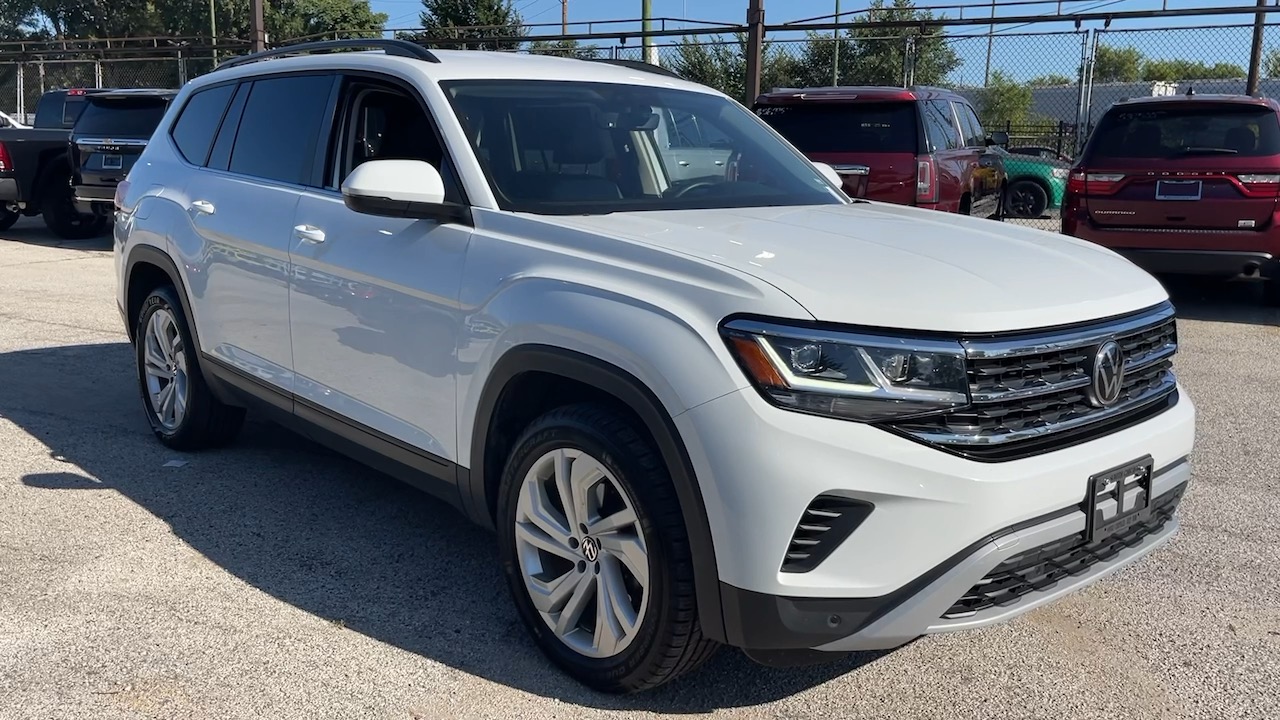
891	266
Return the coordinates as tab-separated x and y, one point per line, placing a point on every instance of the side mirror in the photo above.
999	137
830	173
399	188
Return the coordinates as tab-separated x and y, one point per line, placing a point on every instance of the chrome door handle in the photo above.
203	207
308	233
683	163
719	162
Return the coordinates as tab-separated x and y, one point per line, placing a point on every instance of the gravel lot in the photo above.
274	580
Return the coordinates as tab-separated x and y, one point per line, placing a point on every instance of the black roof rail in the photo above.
397	47
641	66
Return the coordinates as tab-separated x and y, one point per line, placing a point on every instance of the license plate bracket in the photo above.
1118	499
112	162
1179	189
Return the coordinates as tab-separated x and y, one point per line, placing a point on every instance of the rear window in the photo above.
1187	131
846	128
121	117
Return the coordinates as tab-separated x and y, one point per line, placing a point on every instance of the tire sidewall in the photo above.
1041	196
164	298
543	437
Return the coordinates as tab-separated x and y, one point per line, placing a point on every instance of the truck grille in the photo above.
1039	569
1030	394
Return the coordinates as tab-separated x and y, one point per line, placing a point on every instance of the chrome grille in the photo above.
1032	390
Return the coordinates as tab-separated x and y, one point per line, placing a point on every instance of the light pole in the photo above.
213	32
835	62
991	31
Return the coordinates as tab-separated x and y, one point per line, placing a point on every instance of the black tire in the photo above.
8	218
1026	199
669	641
1271	290
58	208
208	422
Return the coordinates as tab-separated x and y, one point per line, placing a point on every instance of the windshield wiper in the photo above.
1207	151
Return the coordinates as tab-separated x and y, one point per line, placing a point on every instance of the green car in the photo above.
1036	184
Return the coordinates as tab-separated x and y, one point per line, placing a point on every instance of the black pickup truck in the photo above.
35	167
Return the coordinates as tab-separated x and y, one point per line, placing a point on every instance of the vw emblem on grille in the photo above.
590	549
1106	377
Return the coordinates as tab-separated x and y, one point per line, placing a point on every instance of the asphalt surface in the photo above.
275	580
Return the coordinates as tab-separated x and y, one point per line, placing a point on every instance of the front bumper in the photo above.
940	523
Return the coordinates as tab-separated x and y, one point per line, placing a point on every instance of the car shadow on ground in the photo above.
31	231
329	536
1217	300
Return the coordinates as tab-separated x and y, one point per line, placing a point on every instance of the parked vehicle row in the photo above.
66	167
703	396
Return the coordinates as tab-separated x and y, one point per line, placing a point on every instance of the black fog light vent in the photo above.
828	521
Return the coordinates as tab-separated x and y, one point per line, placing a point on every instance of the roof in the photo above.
462	65
124	94
855	92
1207	98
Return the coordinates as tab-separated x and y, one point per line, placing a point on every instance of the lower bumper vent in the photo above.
828	521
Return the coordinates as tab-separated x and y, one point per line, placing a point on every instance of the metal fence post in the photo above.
908	61
97	73
182	69
22	95
1082	80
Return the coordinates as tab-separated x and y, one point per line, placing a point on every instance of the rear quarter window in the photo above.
198	122
1227	130
847	127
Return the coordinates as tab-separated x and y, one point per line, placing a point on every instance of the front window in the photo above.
553	147
1188	130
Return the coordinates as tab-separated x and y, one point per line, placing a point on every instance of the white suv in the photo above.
729	406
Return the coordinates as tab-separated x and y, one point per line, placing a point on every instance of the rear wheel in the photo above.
60	215
1271	290
595	552
7	218
183	412
1026	199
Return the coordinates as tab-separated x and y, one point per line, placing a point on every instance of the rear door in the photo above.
872	144
690	148
110	135
985	169
1194	165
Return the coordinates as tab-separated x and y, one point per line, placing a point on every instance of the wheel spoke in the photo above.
628	550
551	596
180	400
586	473
608	631
563	475
156	371
154	355
578	603
619	599
624	518
165	404
535	536
158	323
539	511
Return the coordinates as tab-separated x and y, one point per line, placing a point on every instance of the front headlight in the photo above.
856	376
1061	173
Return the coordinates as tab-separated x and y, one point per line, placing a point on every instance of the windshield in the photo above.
115	117
846	127
1188	131
553	147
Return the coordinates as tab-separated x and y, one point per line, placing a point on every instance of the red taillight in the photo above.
76	91
1256	185
1075	182
926	180
6	164
1101	183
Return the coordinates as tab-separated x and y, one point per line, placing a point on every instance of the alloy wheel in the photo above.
165	365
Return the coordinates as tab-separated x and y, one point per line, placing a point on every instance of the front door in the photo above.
374	315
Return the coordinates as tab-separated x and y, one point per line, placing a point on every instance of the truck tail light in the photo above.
1102	183
122	189
1075	182
6	163
926	180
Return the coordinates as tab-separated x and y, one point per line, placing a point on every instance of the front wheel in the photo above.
595	552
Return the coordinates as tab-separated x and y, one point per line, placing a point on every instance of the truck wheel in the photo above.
8	218
595	552
61	216
1271	290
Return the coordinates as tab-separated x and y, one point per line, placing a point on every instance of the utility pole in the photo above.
213	32
564	17
991	32
755	48
1255	57
646	14
257	27
835	62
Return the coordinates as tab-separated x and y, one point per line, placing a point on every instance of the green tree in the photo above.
1004	100
1051	80
482	24
722	64
1180	70
1271	63
875	55
564	48
1112	64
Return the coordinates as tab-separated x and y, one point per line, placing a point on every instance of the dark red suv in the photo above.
911	146
1184	185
